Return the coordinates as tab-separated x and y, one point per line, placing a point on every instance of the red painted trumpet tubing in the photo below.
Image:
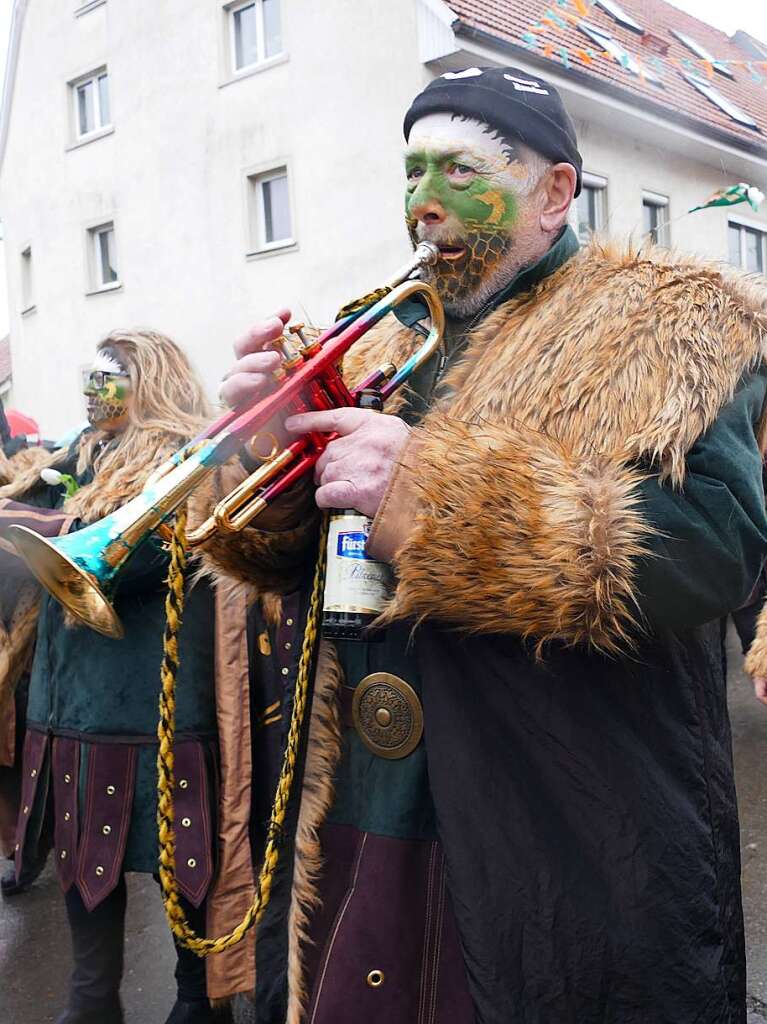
248	422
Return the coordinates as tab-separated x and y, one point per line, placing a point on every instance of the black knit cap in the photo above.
518	105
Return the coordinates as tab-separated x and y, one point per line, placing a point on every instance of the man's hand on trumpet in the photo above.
355	468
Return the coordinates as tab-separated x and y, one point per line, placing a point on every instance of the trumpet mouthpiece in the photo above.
427	254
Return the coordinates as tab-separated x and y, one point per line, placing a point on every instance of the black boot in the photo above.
98	938
10	885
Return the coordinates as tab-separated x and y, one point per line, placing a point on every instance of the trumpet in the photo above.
81	570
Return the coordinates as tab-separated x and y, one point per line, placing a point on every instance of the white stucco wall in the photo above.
172	176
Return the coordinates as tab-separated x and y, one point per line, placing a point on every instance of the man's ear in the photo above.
559	184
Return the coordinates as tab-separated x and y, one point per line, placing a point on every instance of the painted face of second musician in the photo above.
108	390
466	191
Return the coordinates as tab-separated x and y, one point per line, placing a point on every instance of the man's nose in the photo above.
428	211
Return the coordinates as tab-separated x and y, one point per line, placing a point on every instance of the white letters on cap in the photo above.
468	73
526	85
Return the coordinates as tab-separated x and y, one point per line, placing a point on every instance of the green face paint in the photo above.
464	192
107	395
477	202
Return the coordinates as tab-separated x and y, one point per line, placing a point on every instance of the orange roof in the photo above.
509	20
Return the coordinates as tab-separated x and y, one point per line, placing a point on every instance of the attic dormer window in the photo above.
618	14
706	88
606	42
700	51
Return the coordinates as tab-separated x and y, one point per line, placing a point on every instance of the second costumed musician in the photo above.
570	501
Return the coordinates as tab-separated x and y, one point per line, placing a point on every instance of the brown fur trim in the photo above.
616	352
756	659
323	753
518	535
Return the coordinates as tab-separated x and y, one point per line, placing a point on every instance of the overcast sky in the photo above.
728	15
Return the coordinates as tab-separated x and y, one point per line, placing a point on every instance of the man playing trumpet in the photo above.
570	497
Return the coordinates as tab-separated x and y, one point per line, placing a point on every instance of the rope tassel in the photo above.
174	610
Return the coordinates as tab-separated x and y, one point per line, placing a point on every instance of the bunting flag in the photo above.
740	193
562	18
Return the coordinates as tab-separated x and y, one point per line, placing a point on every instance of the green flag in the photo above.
740	193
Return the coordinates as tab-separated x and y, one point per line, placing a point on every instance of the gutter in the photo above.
659	110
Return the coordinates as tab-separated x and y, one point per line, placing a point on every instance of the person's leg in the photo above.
192	1006
98	938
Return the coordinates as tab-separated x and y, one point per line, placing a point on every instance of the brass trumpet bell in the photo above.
71	580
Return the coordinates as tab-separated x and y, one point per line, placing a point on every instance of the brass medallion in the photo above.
387	715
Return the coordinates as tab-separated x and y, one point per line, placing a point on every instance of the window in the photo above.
91	99
700	51
746	247
605	41
256	32
270	214
616	11
655	218
102	257
592	206
27	281
704	86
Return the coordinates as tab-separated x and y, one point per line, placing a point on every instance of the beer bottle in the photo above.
356	586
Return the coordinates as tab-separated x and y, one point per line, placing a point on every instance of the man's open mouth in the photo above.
451	252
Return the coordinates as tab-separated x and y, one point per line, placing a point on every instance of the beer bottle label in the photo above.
354	581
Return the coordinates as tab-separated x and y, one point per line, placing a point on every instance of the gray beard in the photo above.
462	306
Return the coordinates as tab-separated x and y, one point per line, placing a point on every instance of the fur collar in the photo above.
619	351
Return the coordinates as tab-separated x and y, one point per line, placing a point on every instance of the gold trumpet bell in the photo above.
70	583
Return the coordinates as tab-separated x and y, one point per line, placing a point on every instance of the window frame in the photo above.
91	78
255	178
603	38
96	283
262	58
659	202
744	227
600	184
700	51
721	102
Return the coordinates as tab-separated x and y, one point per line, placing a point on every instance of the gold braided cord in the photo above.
363	302
174	607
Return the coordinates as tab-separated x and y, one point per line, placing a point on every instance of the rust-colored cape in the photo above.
525	516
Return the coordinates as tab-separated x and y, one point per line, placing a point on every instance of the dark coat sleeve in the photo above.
709	537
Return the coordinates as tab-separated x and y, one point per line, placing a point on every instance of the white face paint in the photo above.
469	142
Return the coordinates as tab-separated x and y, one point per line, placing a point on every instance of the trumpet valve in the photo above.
292	355
309	346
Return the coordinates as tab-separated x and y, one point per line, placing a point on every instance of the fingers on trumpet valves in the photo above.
262	335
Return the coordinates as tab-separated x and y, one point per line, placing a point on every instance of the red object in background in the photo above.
22	425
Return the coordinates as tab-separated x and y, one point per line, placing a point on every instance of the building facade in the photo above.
191	166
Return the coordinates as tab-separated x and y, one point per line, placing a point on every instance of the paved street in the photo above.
34	945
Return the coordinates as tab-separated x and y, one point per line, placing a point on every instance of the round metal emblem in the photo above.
387	715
